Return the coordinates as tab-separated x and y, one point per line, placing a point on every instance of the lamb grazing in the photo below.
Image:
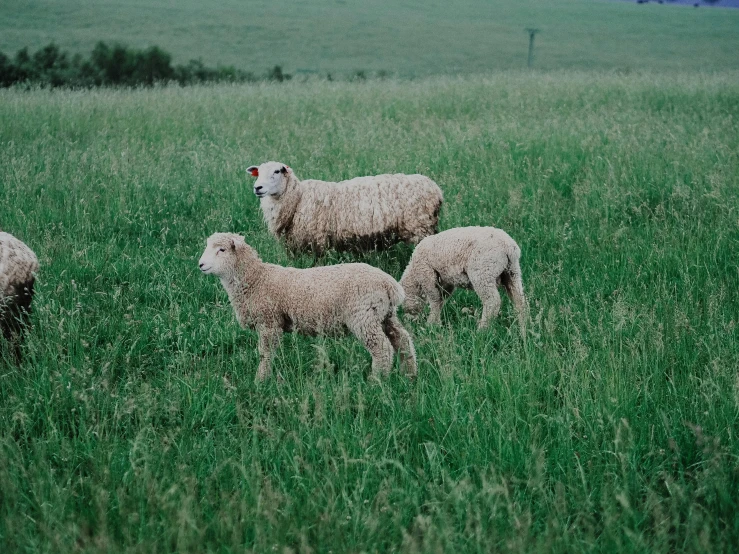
362	213
327	300
481	258
18	267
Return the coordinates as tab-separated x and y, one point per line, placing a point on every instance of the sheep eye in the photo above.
277	171
221	249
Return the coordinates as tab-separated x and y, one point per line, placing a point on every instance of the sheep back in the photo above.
450	253
320	300
365	212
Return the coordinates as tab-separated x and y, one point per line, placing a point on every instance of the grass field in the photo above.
135	424
406	38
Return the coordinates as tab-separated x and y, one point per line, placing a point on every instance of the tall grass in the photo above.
135	424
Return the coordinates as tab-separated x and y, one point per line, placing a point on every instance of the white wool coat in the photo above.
361	213
480	258
331	300
18	268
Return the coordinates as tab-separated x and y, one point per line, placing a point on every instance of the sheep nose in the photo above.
258	189
201	266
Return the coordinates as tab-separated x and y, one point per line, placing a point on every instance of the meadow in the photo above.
134	423
410	38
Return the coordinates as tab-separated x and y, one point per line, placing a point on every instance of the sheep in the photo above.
328	300
360	213
18	268
481	258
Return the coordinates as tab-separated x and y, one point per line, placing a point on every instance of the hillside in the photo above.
408	38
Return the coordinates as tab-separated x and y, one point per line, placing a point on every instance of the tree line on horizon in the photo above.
116	65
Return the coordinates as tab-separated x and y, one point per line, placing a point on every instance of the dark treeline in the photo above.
116	65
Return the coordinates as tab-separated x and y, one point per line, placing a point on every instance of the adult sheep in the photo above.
360	213
18	268
326	300
480	258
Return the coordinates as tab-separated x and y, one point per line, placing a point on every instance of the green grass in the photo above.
135	424
408	38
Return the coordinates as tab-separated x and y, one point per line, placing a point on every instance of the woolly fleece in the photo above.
361	213
480	258
328	300
18	268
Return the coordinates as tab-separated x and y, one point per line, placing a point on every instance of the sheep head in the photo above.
272	178
414	302
223	254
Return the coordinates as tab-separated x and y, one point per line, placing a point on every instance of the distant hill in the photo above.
404	37
691	3
717	4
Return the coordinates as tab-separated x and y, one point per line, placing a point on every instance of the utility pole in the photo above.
532	34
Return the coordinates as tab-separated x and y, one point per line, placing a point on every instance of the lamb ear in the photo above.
238	242
254	170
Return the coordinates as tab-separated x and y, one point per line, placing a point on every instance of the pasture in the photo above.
135	425
407	39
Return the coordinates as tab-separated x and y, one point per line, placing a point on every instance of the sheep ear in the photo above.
238	242
254	170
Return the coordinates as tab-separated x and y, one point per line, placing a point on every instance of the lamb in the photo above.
328	300
18	268
481	258
360	213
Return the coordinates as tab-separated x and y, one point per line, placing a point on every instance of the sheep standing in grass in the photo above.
363	213
327	300
18	267
480	258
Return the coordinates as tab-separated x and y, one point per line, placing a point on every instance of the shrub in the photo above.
276	74
116	65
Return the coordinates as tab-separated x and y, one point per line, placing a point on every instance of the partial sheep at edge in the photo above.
18	268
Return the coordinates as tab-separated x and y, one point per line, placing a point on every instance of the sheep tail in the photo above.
395	292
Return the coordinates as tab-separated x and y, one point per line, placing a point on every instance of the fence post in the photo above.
532	34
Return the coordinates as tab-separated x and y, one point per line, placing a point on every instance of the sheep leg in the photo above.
16	340
16	321
486	288
427	280
513	284
418	237
401	343
434	294
269	339
373	337
12	341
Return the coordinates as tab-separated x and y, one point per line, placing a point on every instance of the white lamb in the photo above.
480	258
18	268
364	212
319	301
